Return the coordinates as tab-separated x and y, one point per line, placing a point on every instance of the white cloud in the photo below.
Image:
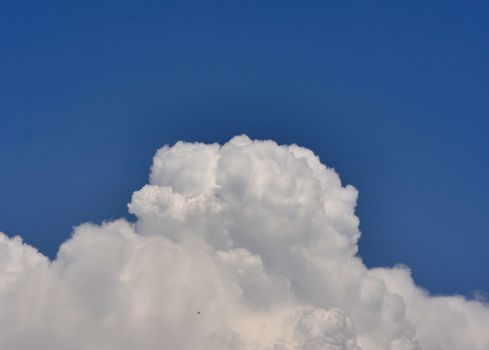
249	245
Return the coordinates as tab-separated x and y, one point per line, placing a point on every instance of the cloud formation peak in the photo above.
248	245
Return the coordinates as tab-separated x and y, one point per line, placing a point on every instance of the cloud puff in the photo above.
246	246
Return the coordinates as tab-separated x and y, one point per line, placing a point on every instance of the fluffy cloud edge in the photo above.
246	245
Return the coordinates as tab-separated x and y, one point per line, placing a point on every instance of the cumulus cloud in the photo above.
248	246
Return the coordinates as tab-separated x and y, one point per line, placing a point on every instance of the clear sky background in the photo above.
392	94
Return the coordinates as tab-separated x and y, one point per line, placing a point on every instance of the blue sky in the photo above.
393	95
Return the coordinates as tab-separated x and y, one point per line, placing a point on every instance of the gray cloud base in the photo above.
248	245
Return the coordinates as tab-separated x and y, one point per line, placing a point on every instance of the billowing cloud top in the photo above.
249	245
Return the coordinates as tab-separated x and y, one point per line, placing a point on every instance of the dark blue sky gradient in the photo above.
393	94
